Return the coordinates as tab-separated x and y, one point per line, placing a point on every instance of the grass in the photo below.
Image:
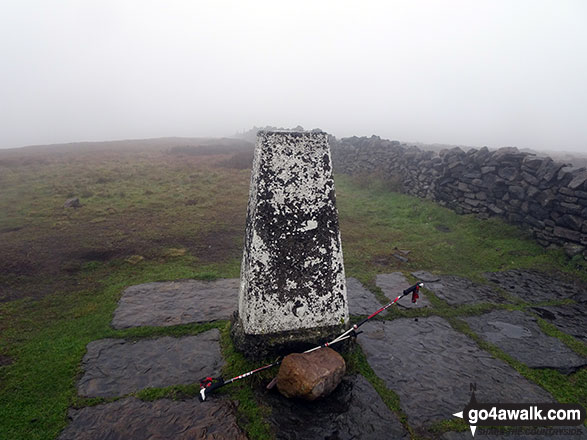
251	412
572	343
375	222
48	338
62	271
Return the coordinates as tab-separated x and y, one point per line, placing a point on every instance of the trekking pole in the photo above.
209	384
414	290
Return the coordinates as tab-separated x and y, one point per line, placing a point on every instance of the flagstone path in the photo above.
569	318
353	411
393	284
458	291
116	367
176	302
433	365
518	335
425	361
532	286
131	418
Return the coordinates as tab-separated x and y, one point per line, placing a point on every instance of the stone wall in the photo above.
547	197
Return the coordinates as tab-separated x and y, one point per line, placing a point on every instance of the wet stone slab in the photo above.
430	366
353	411
570	318
458	291
393	284
425	277
116	367
518	335
176	302
533	286
130	419
361	301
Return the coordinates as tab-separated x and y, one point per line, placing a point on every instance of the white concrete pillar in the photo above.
292	274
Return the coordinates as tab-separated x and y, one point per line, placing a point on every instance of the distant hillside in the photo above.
171	144
251	135
238	143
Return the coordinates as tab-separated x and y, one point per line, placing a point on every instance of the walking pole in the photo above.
414	290
209	384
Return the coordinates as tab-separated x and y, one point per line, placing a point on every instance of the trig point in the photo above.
292	289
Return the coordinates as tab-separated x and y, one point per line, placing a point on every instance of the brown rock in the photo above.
312	375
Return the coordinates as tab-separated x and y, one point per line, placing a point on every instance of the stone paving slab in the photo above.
115	367
533	286
133	419
361	301
518	335
353	411
458	291
569	318
425	277
176	302
393	284
430	366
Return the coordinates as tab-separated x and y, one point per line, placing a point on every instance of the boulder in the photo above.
312	375
72	203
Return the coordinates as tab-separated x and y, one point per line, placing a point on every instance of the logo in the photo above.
520	414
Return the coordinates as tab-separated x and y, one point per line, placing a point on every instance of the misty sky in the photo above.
494	73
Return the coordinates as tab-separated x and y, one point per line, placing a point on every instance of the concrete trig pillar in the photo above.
292	288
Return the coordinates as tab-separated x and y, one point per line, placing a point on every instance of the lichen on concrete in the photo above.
292	274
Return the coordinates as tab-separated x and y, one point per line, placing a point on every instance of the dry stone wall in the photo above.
545	196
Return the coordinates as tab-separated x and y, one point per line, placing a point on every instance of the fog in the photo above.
495	73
